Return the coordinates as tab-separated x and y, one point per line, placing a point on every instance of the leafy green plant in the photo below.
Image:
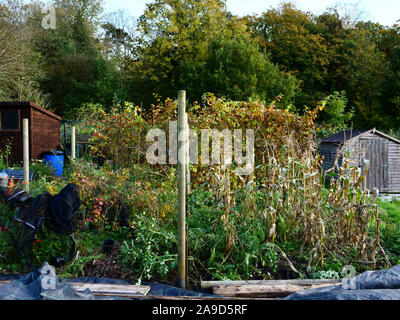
5	154
326	274
152	251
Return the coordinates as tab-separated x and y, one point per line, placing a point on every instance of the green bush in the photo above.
152	251
250	256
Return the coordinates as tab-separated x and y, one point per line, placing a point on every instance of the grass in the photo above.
390	228
391	210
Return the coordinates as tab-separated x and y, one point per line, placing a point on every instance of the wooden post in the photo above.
25	136
65	134
187	155
73	143
182	145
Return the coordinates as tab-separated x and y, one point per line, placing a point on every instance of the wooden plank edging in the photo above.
102	289
210	284
265	288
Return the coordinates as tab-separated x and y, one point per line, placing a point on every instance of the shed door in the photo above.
376	151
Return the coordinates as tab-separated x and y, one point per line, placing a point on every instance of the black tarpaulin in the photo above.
370	285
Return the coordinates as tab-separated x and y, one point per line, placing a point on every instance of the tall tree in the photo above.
76	72
235	68
388	41
19	68
293	42
356	65
171	32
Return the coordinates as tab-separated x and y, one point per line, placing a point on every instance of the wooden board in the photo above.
110	289
265	288
210	284
264	291
100	289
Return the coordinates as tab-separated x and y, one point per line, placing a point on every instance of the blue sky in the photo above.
386	12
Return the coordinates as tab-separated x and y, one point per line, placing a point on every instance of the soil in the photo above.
108	267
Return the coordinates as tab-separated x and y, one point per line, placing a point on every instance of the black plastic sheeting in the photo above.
34	286
41	285
370	285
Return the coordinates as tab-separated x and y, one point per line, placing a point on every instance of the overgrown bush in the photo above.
285	192
279	217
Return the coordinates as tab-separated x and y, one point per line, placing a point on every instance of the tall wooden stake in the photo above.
182	145
73	143
187	155
187	172
25	136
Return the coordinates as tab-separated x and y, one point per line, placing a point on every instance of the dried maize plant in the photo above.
294	206
352	209
218	179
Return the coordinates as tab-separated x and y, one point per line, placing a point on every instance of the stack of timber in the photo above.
265	288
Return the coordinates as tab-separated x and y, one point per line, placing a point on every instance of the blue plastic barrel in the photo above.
55	159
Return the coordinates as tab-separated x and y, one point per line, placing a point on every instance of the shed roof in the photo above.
342	136
29	104
347	135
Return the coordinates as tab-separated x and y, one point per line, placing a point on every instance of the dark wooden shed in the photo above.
44	129
382	151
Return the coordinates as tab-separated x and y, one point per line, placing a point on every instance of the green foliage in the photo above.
252	255
328	274
5	154
238	227
286	52
48	245
153	249
335	117
327	57
75	70
291	38
6	251
232	62
390	228
76	269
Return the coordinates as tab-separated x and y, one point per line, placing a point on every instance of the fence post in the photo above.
25	136
187	155
182	145
73	143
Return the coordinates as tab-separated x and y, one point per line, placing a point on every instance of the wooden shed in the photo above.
382	151
44	129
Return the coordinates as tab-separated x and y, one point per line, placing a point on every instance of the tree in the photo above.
119	36
356	65
76	71
235	68
170	33
19	68
329	53
293	42
334	116
388	41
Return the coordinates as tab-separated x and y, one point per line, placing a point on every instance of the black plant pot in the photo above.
57	261
108	245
